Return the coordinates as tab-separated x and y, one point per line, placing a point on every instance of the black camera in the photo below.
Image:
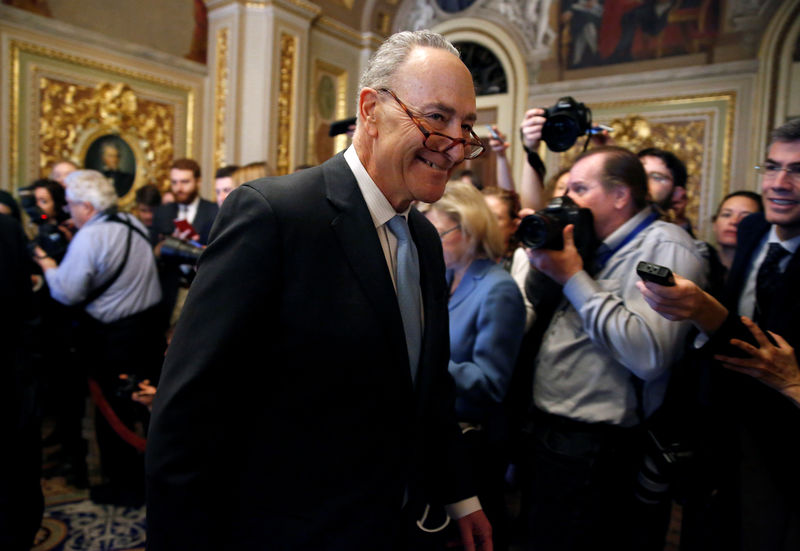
544	229
184	252
51	240
566	121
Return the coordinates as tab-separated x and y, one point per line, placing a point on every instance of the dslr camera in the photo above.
545	228
48	236
566	121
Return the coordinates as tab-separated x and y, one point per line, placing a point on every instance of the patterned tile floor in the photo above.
72	522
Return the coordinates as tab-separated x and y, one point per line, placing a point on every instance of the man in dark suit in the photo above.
756	401
184	177
293	412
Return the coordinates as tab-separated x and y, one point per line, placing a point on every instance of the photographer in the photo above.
109	273
604	360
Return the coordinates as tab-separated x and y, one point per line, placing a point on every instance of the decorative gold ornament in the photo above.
288	49
73	116
220	97
30	63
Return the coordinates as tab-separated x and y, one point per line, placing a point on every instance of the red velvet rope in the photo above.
119	427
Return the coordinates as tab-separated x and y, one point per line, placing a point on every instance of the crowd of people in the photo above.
372	354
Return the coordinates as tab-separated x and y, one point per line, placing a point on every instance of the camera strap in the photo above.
97	291
604	256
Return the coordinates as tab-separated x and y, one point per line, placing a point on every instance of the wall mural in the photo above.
604	32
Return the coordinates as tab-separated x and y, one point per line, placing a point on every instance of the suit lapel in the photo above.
475	272
358	238
751	232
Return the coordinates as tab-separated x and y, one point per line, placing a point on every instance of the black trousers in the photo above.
580	485
134	346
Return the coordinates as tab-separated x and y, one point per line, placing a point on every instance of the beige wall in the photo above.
165	25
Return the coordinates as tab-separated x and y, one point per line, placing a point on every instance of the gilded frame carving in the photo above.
286	88
220	96
33	68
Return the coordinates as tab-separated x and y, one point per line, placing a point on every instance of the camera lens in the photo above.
560	132
537	230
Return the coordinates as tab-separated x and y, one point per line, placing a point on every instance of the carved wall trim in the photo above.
288	77
320	145
338	30
220	95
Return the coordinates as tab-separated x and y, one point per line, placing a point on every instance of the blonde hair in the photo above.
250	172
466	206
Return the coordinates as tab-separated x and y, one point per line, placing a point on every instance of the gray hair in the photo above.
89	186
787	132
394	51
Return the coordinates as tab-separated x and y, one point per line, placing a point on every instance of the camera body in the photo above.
545	228
51	240
566	121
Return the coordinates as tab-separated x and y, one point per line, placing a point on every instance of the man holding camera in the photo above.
109	273
604	360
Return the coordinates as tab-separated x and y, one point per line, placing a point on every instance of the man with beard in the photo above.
184	178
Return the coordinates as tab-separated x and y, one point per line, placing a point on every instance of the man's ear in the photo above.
367	110
622	197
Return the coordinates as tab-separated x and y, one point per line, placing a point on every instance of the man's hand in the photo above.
775	366
685	300
531	128
558	265
475	529
41	258
185	235
499	146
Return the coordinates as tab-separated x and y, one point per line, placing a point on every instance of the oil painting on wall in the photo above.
605	32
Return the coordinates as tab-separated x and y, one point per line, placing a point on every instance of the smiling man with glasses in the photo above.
756	400
305	401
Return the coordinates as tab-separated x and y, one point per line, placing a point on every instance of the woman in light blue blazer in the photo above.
487	320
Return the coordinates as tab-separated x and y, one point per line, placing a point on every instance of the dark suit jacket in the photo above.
756	427
168	270
164	215
285	416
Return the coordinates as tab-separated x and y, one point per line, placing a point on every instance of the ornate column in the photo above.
258	66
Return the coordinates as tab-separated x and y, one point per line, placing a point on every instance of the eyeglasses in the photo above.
445	232
659	177
438	142
770	171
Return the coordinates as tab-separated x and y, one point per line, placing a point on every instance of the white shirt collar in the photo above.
790	245
379	207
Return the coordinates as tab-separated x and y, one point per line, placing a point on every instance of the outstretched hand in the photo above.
775	366
682	301
476	532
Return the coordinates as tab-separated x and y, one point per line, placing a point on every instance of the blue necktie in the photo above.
408	290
